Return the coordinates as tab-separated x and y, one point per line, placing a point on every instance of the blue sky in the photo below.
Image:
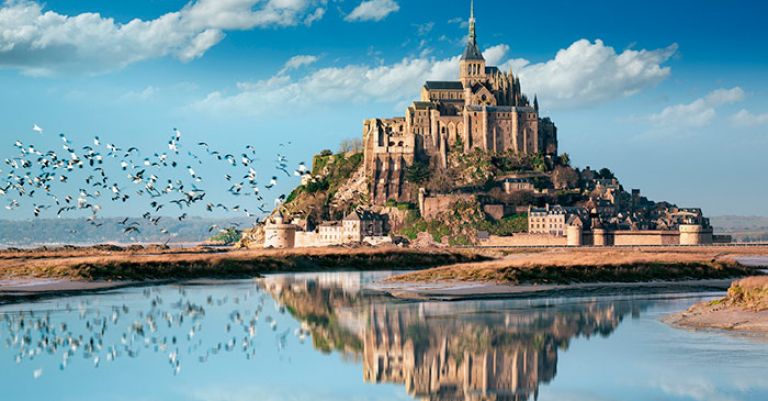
671	95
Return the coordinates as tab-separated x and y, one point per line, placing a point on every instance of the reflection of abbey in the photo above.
485	109
475	355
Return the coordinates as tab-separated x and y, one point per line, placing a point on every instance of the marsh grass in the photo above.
156	263
620	265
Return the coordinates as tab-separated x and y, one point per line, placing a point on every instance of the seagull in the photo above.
37	129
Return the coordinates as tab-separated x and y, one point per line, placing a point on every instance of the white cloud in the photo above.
315	16
569	80
746	119
424	29
40	42
698	113
299	61
373	10
588	72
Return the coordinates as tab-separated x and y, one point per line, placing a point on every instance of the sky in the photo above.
672	96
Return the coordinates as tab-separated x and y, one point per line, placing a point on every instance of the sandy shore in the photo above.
34	289
708	316
743	309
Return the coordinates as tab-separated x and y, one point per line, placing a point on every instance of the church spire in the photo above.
472	33
472	52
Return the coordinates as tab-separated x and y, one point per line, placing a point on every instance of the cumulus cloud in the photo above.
744	118
373	10
569	80
587	72
698	113
39	41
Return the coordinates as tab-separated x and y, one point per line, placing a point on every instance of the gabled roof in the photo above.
444	85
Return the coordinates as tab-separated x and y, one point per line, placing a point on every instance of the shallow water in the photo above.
324	337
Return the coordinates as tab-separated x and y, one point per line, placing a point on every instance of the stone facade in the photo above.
517	184
485	109
357	227
552	220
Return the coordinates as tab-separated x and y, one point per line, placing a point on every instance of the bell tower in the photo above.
472	65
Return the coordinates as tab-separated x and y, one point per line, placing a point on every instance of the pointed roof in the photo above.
353	216
472	52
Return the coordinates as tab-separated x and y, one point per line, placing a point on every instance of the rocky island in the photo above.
472	163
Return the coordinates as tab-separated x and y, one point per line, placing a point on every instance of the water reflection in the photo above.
165	322
501	350
280	338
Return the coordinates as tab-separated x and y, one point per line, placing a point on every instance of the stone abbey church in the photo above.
485	109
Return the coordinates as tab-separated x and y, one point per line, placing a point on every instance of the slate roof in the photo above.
472	52
444	85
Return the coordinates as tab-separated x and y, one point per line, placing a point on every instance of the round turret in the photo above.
575	234
695	234
279	234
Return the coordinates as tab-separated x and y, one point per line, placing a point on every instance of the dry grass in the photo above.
158	263
750	293
599	265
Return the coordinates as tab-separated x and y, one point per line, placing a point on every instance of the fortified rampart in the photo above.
689	235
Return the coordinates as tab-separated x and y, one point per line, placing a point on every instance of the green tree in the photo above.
538	163
606	173
417	172
565	159
227	237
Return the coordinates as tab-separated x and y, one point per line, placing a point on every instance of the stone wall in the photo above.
496	212
627	238
525	240
434	205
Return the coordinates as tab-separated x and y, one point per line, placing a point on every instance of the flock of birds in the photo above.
101	172
109	334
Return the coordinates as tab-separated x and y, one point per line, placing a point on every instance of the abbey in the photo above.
485	109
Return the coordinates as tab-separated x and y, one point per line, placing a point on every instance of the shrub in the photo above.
417	172
316	186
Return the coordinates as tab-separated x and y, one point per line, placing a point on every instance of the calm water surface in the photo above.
321	337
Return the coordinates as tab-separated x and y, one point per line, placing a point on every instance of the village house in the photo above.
517	184
357	227
552	220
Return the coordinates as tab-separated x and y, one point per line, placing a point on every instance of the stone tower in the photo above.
472	65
